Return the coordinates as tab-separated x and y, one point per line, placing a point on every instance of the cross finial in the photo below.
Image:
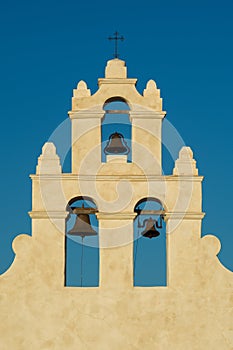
116	37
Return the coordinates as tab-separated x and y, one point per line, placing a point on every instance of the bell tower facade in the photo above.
124	189
87	113
192	310
116	186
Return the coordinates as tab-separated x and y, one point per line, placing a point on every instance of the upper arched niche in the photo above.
116	121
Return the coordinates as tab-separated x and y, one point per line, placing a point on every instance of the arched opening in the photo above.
82	244
116	129
149	244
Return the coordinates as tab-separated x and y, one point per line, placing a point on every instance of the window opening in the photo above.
116	129
82	244
149	244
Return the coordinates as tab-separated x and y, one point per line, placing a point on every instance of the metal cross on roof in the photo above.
116	37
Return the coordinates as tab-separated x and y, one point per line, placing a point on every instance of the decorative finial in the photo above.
116	37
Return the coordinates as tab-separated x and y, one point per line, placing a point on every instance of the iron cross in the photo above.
116	37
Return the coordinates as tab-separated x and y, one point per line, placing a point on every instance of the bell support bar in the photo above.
78	210
117	111
150	212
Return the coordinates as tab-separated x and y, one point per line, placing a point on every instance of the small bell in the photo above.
116	145
150	230
82	226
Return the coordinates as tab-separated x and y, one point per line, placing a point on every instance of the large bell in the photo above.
82	226
150	230
116	145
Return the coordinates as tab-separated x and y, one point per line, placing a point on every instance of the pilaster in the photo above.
116	250
86	140
147	140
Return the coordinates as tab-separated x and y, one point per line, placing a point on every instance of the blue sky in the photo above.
48	46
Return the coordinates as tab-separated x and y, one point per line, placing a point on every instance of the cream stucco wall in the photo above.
194	311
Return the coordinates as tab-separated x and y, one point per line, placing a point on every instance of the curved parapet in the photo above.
21	245
116	83
211	244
